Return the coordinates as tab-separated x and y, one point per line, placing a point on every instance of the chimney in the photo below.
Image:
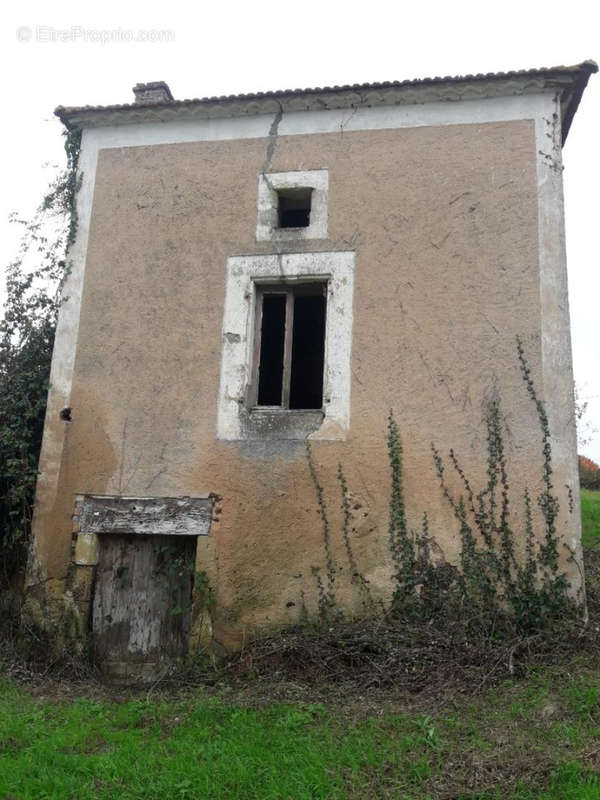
155	92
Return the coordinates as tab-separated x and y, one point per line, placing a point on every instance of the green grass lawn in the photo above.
533	739
590	518
536	739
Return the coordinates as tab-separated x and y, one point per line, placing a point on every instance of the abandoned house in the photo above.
255	272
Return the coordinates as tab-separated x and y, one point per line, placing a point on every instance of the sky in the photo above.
67	53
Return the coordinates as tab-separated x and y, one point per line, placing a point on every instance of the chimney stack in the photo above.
155	92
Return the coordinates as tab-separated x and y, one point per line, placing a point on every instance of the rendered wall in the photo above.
446	229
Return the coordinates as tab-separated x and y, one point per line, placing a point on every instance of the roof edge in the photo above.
569	80
586	69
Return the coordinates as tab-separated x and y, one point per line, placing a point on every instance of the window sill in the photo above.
304	233
267	423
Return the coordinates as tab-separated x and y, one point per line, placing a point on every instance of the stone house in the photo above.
258	271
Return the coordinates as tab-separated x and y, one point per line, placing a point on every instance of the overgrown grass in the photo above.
538	739
532	738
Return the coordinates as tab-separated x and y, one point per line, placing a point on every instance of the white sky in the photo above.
228	47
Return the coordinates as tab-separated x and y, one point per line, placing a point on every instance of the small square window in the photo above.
293	207
290	346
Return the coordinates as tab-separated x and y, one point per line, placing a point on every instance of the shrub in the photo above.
33	282
589	474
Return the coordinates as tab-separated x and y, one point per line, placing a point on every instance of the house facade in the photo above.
256	272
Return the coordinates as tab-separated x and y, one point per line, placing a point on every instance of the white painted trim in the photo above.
557	365
238	334
463	112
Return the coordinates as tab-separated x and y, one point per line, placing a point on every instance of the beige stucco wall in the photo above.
443	221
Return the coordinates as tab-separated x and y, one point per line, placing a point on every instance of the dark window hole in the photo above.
294	207
272	339
308	352
303	351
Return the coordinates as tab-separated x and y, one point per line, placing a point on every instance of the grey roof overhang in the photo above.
568	81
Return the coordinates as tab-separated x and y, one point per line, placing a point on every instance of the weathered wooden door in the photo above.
142	599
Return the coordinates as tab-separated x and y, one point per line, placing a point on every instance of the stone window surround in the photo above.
235	420
267	229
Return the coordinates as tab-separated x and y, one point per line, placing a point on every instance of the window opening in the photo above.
272	335
290	346
308	352
294	207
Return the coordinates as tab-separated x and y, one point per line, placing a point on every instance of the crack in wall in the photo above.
348	119
272	143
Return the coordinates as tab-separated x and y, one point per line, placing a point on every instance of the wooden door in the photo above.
142	600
